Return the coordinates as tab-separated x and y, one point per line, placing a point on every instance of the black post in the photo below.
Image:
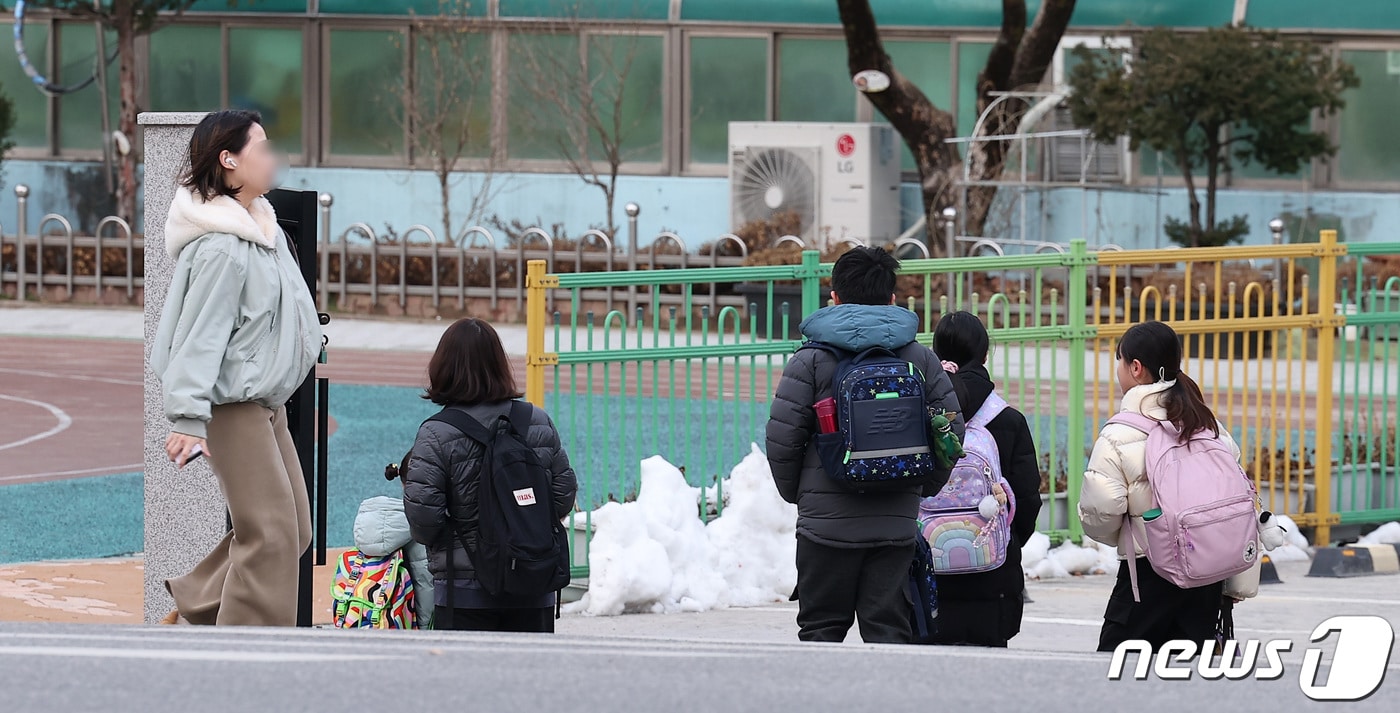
297	214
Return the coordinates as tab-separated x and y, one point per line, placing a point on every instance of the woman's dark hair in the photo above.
961	338
1158	348
470	366
218	132
864	276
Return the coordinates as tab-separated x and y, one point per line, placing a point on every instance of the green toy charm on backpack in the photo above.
373	592
947	449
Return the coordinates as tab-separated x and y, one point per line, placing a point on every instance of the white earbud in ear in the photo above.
230	163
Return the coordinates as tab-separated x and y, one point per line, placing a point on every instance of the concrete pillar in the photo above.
184	512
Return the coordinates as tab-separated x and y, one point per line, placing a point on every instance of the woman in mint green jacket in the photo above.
238	334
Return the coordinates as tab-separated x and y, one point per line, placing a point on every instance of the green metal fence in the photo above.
678	380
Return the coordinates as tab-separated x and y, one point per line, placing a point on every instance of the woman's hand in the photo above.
180	448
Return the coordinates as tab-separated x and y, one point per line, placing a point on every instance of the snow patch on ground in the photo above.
1387	534
657	555
1039	561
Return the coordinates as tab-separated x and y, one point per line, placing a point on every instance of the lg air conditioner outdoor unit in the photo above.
842	180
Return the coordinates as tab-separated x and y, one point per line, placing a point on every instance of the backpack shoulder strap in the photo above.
460	420
521	412
1143	423
991	408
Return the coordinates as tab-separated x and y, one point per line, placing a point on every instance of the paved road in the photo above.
184	669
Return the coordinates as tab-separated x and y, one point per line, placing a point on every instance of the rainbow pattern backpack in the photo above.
373	592
967	529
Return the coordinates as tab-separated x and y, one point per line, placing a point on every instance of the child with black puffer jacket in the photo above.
984	608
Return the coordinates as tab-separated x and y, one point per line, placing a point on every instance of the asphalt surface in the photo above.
188	670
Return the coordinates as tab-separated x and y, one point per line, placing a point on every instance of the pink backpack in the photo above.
963	539
1207	531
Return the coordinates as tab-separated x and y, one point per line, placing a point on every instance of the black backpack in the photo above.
521	548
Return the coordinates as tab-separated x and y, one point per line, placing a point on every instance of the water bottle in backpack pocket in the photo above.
1206	529
966	527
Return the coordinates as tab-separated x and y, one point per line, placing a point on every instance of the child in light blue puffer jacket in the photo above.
381	528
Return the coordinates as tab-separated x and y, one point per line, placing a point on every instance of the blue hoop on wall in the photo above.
40	81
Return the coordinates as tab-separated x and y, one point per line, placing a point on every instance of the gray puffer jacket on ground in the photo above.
827	513
444	457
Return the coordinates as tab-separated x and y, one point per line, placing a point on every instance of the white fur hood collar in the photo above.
1146	399
192	218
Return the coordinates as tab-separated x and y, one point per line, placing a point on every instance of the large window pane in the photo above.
365	68
30	106
80	112
542	73
972	56
185	69
717	99
264	73
453	91
929	66
1368	149
625	71
813	82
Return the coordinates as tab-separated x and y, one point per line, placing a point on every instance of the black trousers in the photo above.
538	621
978	622
1166	611
836	585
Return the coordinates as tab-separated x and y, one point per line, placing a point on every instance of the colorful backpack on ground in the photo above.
373	592
1208	530
923	592
883	440
963	537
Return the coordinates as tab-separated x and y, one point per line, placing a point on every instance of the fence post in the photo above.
22	195
811	282
1327	252
633	210
326	199
537	285
1076	294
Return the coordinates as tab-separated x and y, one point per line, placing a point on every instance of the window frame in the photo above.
327	157
689	167
1328	172
307	96
587	31
777	59
49	149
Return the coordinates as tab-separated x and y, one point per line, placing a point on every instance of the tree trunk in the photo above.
126	166
1184	162
922	125
1019	58
610	198
444	188
1212	176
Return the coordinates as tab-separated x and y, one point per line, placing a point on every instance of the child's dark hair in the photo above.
864	276
1158	348
470	366
961	338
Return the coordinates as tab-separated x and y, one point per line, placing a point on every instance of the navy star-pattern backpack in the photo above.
883	440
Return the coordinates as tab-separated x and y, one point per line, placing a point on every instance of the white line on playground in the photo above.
105	470
64	421
72	377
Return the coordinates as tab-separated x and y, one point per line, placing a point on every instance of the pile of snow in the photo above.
657	555
1297	548
1039	561
1387	534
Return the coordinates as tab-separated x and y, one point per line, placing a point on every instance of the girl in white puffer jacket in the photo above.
1115	484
